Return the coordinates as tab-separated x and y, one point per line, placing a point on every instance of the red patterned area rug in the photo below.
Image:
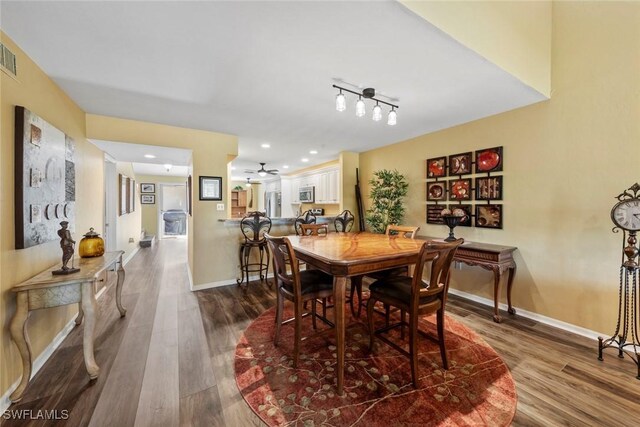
477	390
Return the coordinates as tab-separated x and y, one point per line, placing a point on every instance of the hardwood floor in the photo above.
170	360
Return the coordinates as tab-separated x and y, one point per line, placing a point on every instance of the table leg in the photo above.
89	308
512	273
18	330
119	284
339	290
497	276
80	314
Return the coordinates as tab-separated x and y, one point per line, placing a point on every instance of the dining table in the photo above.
350	256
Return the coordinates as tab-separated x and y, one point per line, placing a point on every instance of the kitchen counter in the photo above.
323	219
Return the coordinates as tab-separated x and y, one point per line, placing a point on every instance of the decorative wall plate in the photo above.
460	189
489	160
436	191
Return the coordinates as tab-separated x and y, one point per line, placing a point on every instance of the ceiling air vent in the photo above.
8	60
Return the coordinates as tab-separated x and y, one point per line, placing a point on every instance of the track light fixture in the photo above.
368	93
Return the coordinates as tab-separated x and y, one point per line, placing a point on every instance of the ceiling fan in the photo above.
262	171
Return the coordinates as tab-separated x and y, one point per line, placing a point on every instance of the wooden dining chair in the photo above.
414	296
314	229
401	231
297	287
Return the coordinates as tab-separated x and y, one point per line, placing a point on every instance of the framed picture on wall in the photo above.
148	199
468	210
132	195
460	189
189	196
433	214
489	216
489	188
437	167
147	187
210	188
489	160
436	191
460	164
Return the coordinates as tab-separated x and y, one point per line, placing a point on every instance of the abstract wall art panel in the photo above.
44	180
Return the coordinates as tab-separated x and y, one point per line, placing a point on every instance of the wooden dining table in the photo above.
349	256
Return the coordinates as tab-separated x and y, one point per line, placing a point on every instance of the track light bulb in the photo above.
341	102
392	118
360	108
377	113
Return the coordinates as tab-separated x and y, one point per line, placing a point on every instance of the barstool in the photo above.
305	218
344	222
254	226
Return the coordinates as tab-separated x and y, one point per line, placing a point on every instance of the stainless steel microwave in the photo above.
307	195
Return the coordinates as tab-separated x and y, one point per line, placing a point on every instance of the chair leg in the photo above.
314	304
402	324
279	310
298	333
387	314
443	350
359	291
413	347
324	308
370	304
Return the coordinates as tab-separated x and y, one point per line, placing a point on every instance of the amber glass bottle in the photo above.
91	245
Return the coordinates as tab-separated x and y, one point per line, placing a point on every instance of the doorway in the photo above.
110	205
172	211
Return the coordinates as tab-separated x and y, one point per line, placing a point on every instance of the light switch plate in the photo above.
220	206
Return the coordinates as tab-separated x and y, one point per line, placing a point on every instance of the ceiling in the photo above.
263	70
179	159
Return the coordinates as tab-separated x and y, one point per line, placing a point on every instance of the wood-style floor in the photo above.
169	362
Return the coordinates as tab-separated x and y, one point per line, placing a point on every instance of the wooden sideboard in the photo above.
46	290
495	258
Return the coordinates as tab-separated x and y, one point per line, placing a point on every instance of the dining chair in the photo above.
297	287
314	229
305	218
414	296
400	231
343	222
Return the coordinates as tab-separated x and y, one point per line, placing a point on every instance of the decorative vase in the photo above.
91	245
452	222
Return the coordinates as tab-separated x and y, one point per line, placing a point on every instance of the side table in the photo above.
46	290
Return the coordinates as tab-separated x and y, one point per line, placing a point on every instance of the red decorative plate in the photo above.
488	160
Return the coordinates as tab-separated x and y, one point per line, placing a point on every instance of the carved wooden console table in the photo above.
46	290
496	258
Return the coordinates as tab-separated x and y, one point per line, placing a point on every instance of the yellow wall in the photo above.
565	160
150	212
208	261
35	91
515	35
128	225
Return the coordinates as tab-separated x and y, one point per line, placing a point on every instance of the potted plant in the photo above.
387	190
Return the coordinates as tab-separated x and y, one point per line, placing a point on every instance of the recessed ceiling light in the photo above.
265	145
233	168
150	156
313	152
305	160
285	166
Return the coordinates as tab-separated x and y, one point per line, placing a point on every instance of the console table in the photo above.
46	290
496	258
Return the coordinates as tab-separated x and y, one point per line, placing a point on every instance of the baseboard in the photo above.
219	283
588	333
131	255
39	362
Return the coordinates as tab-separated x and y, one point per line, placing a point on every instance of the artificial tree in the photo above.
387	191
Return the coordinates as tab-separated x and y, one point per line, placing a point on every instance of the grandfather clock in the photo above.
625	215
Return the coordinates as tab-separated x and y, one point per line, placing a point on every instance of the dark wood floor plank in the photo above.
201	409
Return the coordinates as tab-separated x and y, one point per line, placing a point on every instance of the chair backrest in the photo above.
440	256
282	254
305	218
254	226
401	230
344	222
314	229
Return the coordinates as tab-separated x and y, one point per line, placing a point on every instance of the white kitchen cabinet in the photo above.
295	190
326	183
333	186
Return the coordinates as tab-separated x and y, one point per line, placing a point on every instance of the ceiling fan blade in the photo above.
248	171
272	171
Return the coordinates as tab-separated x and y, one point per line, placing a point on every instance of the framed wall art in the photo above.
437	167
132	195
147	187
147	199
190	195
460	164
489	188
489	216
433	214
489	160
123	195
460	189
210	188
45	187
436	191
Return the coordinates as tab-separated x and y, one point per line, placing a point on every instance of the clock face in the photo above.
626	214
